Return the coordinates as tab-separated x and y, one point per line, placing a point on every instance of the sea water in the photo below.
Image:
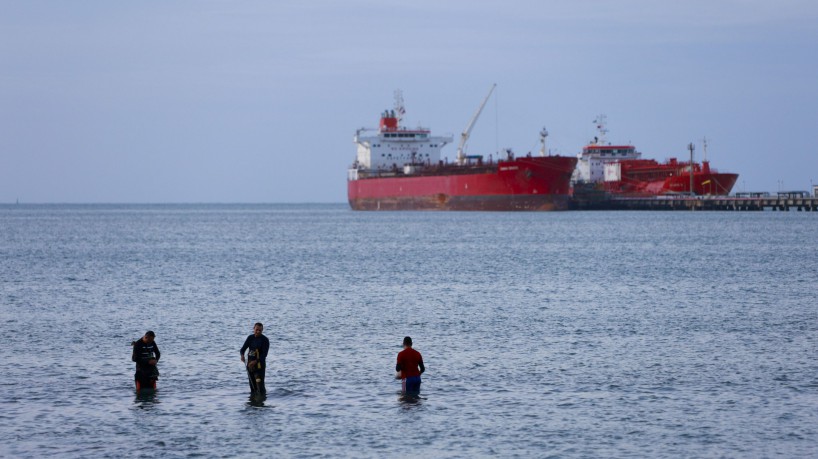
564	334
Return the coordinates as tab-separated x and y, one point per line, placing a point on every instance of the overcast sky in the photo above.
257	101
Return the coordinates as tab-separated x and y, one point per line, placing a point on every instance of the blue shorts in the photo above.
411	385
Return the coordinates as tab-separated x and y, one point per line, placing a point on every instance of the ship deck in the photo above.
429	171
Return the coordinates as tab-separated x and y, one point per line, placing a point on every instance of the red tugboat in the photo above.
619	170
401	169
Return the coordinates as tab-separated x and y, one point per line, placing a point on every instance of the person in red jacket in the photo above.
409	367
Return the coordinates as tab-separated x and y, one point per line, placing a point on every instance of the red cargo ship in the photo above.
647	177
619	170
401	169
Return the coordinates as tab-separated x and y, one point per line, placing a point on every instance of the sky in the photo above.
258	101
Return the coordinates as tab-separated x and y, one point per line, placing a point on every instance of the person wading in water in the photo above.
256	363
409	368
145	354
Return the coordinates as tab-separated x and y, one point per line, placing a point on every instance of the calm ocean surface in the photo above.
573	334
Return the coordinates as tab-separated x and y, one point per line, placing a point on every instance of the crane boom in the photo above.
464	137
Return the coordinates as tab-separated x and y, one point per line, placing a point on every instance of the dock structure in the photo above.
724	203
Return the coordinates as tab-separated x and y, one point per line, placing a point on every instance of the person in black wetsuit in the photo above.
146	354
258	346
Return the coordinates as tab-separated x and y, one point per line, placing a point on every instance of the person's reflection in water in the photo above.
257	400
146	399
409	401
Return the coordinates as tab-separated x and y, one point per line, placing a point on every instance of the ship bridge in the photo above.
592	161
392	146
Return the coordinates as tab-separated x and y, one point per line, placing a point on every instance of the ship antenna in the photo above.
601	122
704	148
543	135
399	108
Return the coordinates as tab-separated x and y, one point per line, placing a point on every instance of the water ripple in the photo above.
544	335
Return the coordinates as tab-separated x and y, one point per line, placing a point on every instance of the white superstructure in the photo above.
393	147
598	161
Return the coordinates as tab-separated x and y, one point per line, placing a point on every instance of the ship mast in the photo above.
543	135
704	145
691	147
601	122
399	108
464	136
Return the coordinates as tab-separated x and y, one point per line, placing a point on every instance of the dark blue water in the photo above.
573	334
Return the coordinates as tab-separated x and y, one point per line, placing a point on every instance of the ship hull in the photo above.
713	184
470	203
524	184
718	184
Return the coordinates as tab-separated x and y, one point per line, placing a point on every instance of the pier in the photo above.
723	203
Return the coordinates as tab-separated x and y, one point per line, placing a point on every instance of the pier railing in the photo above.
724	203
